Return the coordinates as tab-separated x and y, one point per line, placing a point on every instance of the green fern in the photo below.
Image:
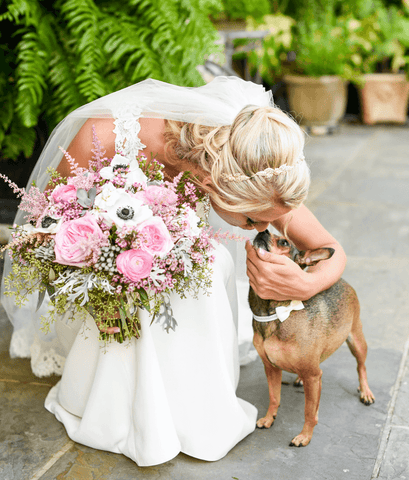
82	17
65	53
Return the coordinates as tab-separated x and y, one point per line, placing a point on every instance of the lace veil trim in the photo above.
127	128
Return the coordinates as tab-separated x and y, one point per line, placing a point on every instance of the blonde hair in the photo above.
259	138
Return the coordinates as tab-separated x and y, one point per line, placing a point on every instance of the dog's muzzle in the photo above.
262	240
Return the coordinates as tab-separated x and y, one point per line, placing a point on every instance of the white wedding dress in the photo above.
164	393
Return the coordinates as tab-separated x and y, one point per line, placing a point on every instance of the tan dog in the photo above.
307	337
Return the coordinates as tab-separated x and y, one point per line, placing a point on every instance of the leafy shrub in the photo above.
381	39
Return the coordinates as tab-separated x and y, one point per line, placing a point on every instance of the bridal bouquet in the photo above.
110	239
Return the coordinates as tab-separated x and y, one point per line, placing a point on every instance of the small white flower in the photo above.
107	197
193	220
119	207
118	164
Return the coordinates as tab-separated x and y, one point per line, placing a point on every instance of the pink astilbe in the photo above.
16	189
34	202
75	169
98	160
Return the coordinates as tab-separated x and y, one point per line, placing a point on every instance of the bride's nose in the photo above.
260	227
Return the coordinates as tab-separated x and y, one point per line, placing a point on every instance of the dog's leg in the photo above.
357	344
273	375
312	391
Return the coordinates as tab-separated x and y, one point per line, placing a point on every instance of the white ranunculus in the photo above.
121	208
107	196
134	175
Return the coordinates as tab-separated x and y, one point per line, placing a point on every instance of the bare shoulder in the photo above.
81	146
152	135
104	129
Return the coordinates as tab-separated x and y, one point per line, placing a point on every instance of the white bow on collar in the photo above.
282	313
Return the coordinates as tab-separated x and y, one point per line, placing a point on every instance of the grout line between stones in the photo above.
10	380
52	461
388	423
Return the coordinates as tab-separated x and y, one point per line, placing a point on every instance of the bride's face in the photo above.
254	220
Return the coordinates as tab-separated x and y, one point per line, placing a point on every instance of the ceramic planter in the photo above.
384	98
317	101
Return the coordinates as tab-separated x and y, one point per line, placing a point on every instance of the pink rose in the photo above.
64	193
156	237
156	195
76	240
134	264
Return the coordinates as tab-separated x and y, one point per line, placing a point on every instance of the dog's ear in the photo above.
312	257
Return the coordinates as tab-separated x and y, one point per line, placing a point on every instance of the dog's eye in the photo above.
282	243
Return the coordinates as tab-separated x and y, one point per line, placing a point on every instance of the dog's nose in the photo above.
262	240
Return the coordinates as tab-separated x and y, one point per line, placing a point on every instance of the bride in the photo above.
175	392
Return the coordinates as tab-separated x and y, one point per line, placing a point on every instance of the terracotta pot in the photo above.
317	101
384	98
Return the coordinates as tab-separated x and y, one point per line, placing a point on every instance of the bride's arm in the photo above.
277	277
80	148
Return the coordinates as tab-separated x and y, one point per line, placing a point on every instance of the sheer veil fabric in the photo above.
172	392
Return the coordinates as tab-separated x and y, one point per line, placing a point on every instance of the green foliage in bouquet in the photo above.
57	55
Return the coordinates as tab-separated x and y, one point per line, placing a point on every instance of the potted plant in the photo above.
270	59
321	68
381	41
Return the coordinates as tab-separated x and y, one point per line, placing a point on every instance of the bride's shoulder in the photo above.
152	134
81	147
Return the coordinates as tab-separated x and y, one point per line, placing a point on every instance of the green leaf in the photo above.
144	298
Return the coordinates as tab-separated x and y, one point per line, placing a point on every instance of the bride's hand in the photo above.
109	330
276	277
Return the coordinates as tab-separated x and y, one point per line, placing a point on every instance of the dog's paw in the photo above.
266	421
298	382
300	441
366	396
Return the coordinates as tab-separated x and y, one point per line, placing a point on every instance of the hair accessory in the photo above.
268	173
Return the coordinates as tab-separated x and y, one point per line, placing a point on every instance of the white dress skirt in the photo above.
164	393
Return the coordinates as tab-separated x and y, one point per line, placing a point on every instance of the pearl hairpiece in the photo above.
267	173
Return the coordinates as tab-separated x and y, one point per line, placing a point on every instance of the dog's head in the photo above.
281	246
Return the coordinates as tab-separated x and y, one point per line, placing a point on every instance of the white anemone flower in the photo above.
48	225
119	207
118	164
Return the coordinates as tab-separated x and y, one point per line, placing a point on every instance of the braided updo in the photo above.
259	138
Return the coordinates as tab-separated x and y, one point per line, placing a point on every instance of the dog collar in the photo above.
282	313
